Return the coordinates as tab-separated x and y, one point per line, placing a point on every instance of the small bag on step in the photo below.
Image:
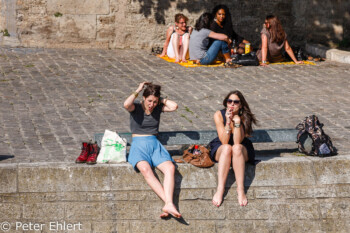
312	140
200	159
113	148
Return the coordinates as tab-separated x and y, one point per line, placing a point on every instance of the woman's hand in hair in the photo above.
141	86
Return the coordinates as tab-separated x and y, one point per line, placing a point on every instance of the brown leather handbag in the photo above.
201	160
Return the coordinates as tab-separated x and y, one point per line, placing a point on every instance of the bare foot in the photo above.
184	61
164	215
170	208
177	60
217	199
242	199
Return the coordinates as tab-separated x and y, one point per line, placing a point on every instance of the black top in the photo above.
141	123
227	30
216	143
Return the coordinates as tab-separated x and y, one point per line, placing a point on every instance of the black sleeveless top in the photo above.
216	143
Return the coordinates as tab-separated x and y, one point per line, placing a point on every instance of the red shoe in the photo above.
84	153
93	154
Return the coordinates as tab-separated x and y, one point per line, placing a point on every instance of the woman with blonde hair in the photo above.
273	41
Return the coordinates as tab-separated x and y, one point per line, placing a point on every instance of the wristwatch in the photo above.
237	125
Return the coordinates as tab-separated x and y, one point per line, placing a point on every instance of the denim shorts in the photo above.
149	149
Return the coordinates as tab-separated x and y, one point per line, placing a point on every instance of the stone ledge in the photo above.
286	194
71	177
330	54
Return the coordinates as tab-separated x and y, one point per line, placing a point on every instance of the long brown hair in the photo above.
247	117
276	30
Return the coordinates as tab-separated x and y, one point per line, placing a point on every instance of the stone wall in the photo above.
297	194
142	24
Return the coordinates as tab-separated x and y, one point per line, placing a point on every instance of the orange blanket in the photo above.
220	63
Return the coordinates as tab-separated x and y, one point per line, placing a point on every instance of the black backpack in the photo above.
312	140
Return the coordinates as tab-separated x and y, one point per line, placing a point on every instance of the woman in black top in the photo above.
146	151
222	23
232	147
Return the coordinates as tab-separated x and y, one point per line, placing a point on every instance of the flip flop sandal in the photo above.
230	64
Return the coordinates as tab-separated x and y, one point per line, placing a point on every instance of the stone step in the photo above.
293	194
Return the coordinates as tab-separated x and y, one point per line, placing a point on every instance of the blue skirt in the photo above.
149	149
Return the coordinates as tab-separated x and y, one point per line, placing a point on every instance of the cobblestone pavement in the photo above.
53	99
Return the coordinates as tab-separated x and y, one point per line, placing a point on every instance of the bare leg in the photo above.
176	46
151	179
184	47
168	170
239	158
223	155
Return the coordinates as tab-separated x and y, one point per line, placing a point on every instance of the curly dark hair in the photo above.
228	19
247	117
152	89
203	21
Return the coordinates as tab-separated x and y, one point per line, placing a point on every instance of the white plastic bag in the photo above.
113	148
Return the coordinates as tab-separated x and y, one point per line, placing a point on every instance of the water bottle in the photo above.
233	48
196	151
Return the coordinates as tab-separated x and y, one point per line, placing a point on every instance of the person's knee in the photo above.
237	150
169	169
226	150
146	171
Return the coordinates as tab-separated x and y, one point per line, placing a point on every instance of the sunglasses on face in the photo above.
229	101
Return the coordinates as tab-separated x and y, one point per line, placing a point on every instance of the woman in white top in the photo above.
177	39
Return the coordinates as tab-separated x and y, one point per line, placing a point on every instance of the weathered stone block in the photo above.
10	211
231	193
158	226
44	211
190	176
142	196
234	226
254	210
8	181
83	211
271	226
305	226
343	191
9	198
204	226
78	6
112	226
316	192
334	208
121	210
73	27
283	172
151	209
305	210
124	177
334	170
59	177
196	194
198	209
274	193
